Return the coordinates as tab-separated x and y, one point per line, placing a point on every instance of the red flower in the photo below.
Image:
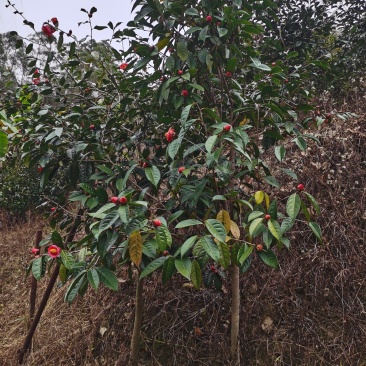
180	170
54	20
170	135
35	251
123	66
54	251
36	81
48	30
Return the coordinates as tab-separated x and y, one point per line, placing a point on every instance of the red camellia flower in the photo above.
36	81
157	223
40	169
54	20
123	66
180	170
185	93
209	19
53	209
228	74
227	128
170	135
54	251
35	251
48	30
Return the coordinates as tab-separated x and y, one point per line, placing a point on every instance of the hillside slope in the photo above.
310	312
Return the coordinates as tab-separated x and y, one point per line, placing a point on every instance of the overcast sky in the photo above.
68	13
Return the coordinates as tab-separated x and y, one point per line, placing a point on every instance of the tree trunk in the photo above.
235	316
135	341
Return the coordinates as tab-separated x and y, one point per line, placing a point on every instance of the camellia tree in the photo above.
157	150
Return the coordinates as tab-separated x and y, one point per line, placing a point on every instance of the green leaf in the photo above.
153	266
203	34
188	244
67	259
108	221
313	202
286	224
141	63
253	215
301	143
108	278
316	230
280	153
196	275
224	254
163	237
183	266
244	252
217	229
37	268
174	216
123	213
210	247
93	278
182	50
269	258
290	173
293	205
168	269
3	144
210	143
56	238
272	181
153	175
187	223
173	148
73	289
275	229
305	211
254	226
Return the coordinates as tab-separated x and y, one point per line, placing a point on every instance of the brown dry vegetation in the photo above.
310	312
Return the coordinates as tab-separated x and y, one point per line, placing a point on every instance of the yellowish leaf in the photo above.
162	43
259	197
224	217
244	122
135	247
267	200
234	228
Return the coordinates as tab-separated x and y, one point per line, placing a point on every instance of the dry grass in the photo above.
311	312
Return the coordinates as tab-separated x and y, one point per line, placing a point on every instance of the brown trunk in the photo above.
37	317
28	340
235	309
135	341
33	292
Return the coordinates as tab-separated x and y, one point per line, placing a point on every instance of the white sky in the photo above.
68	14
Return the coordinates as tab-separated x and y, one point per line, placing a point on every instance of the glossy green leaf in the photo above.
67	259
73	289
153	266
153	175
93	278
182	50
183	266
224	254
3	143
275	229
254	226
196	275
187	223
293	205
108	278
210	247
216	229
269	258
168	269
316	230
188	244
313	202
